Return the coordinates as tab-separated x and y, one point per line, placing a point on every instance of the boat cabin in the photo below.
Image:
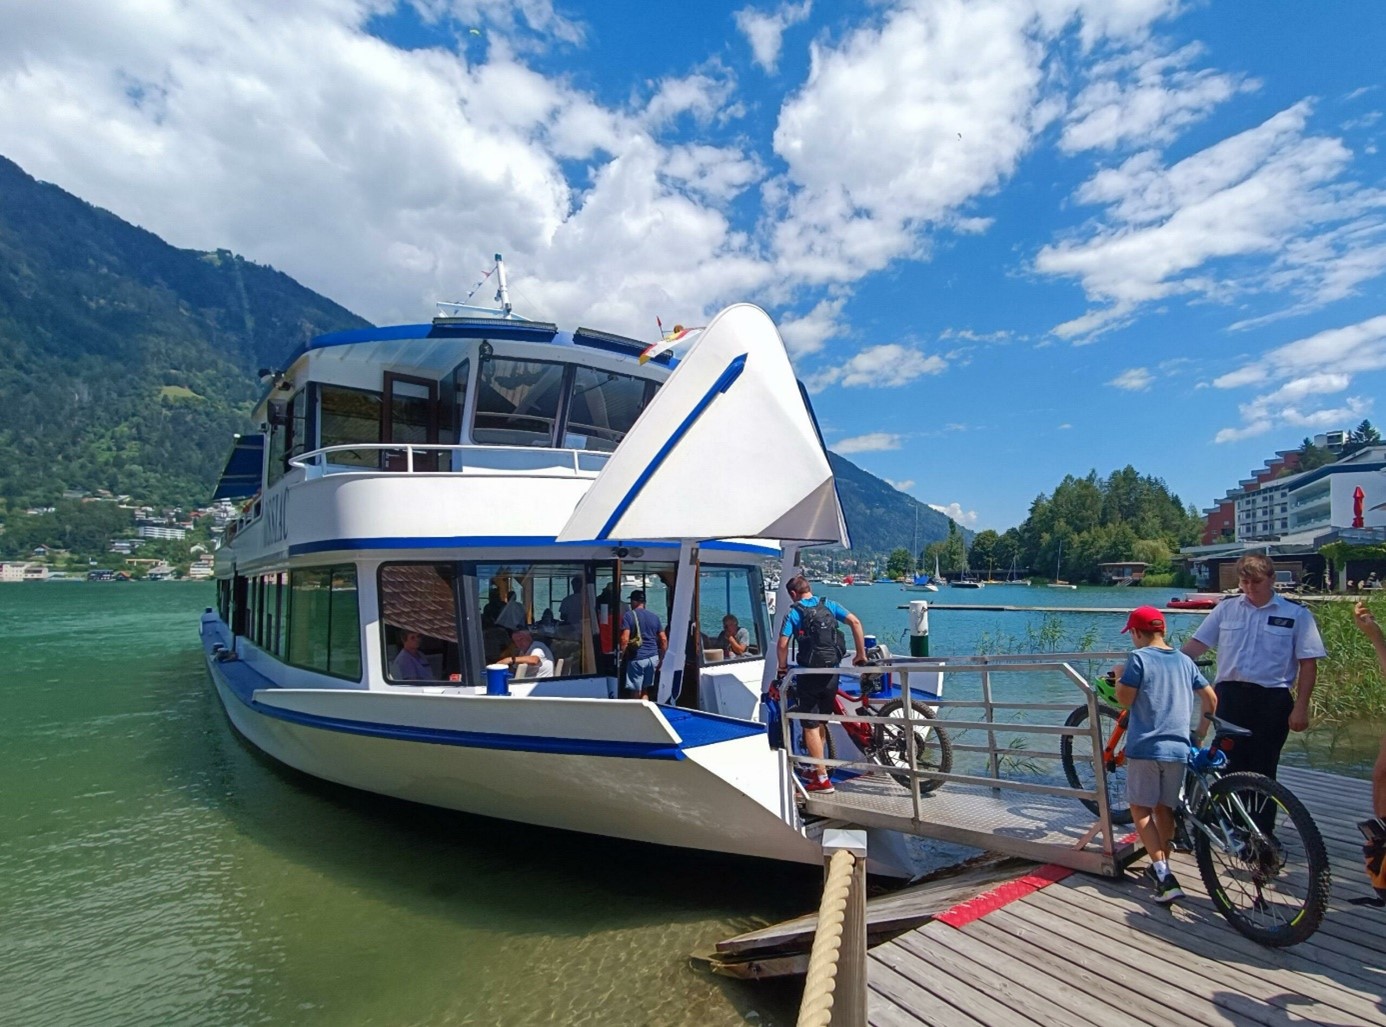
411	480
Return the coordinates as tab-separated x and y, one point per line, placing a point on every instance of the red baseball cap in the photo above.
1145	618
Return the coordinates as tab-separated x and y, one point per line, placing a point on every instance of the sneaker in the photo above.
819	784
1167	890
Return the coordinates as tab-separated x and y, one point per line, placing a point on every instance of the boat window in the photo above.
729	591
602	408
411	419
517	402
566	606
324	623
350	415
452	401
420	598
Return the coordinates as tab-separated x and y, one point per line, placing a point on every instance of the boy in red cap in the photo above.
1158	685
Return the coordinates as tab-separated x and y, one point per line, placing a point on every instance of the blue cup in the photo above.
497	679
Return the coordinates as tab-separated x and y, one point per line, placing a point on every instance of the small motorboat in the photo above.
1196	601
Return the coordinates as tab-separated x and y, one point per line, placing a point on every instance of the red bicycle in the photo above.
888	744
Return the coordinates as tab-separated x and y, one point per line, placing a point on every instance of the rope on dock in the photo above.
816	1009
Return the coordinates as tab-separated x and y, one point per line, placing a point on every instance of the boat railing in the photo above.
435	458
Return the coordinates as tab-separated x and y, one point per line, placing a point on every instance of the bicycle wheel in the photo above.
933	748
1272	889
1075	753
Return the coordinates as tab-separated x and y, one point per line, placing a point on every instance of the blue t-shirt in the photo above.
791	620
648	630
1166	681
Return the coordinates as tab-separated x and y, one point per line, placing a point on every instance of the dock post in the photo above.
919	627
835	988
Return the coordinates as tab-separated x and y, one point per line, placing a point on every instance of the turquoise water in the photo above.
155	870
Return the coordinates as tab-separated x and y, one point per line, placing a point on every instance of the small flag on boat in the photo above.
679	337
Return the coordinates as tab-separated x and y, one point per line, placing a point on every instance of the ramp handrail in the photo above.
901	669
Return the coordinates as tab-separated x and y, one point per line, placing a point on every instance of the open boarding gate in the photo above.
1007	791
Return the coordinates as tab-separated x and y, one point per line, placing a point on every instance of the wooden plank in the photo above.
1098	974
1257	971
891	913
1321	948
899	990
938	948
956	991
1163	973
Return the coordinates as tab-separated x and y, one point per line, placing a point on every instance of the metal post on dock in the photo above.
835	988
919	627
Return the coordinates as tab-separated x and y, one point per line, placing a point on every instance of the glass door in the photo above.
410	417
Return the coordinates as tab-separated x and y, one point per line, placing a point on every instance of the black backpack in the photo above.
818	639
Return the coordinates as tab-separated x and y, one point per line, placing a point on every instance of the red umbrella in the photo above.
1357	496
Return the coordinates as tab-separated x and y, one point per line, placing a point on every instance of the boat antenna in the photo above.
502	290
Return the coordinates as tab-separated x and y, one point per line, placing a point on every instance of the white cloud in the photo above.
1308	371
873	442
1136	379
905	122
967	518
1145	96
765	32
810	332
878	367
1270	197
902	486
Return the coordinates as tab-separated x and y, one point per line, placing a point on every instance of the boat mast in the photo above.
502	290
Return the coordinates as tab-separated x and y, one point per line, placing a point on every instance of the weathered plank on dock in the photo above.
1091	950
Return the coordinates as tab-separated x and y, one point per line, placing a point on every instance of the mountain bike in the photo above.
1258	850
888	744
1074	751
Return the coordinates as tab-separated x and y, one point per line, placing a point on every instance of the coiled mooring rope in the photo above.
816	1009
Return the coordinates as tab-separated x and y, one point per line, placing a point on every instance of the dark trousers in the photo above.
1265	712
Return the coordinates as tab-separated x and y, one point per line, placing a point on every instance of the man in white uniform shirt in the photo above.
1266	646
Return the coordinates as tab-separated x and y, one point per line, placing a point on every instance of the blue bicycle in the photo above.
1258	850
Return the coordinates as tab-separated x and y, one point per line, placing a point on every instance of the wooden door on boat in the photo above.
409	416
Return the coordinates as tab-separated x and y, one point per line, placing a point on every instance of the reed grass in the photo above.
1350	685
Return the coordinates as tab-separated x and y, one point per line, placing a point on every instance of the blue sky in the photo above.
1005	240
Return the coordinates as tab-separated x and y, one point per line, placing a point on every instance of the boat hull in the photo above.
623	773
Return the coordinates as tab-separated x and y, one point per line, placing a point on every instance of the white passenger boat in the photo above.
454	479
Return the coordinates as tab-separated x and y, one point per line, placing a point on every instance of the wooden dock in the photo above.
1095	951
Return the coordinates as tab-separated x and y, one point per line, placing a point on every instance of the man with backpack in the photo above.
643	642
812	623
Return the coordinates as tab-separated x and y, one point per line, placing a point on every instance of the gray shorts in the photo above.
1154	782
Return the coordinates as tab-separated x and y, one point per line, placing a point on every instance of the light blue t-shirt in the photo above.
1166	680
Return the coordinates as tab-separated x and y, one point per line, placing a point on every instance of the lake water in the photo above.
154	869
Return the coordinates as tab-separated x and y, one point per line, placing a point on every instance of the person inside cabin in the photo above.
529	651
643	642
733	639
512	615
570	609
494	605
409	664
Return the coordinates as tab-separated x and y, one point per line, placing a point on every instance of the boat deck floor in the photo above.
1085	950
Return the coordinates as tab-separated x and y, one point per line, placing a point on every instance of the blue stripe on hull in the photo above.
695	728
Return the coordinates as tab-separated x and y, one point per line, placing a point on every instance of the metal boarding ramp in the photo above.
1007	791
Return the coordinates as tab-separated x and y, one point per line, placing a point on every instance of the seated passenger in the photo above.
410	664
530	652
735	639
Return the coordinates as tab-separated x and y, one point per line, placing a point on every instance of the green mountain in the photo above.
128	363
880	517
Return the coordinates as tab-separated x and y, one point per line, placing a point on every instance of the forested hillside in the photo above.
127	363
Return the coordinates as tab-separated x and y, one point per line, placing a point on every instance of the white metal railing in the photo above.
915	728
527	459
